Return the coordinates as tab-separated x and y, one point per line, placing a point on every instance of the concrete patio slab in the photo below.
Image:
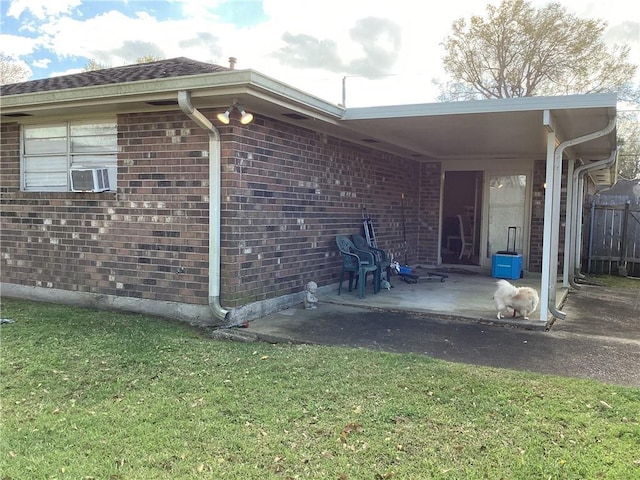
455	321
466	294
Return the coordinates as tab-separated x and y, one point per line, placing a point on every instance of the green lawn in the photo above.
613	281
101	395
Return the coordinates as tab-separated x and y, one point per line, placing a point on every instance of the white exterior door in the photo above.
507	206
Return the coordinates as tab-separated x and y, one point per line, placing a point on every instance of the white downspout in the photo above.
575	237
574	223
550	254
568	221
184	100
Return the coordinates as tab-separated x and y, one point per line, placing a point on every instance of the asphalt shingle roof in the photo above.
174	67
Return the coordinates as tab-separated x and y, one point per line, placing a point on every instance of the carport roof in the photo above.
495	129
500	128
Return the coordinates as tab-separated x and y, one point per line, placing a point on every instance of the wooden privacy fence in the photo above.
611	239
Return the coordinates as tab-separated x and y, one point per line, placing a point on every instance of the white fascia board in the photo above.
501	105
125	89
277	88
244	80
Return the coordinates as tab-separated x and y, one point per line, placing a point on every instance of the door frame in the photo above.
521	169
490	167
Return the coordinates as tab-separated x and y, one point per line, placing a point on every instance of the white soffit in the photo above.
501	128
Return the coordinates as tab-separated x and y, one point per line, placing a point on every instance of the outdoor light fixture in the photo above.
224	117
245	117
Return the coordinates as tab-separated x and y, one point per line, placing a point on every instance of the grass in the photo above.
102	395
614	281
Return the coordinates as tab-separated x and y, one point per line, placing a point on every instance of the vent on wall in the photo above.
162	103
295	116
89	179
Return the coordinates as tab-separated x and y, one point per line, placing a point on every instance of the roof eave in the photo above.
208	84
501	105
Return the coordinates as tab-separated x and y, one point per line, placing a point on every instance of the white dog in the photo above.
523	300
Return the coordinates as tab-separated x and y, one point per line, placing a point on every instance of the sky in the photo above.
362	52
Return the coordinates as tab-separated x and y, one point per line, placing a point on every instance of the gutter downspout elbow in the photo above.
553	274
578	181
184	101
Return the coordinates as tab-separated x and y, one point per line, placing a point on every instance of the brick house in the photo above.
218	223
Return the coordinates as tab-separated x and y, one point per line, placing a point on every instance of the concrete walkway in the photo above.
455	321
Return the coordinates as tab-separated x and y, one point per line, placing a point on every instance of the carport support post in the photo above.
547	234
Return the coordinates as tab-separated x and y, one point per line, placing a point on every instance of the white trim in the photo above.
547	229
485	106
232	83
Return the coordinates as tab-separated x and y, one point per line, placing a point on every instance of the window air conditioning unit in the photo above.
89	179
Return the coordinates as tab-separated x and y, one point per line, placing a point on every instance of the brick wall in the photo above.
537	216
286	193
147	241
430	186
563	215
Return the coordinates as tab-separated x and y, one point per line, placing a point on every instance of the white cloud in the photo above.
69	71
42	63
200	9
311	45
17	46
113	38
41	9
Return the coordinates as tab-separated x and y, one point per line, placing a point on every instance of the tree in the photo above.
148	58
520	51
628	127
12	71
93	64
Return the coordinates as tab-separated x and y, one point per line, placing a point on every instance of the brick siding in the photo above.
147	241
286	193
430	186
536	231
537	216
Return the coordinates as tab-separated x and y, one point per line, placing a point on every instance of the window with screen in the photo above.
50	152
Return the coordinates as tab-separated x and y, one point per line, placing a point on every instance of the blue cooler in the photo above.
507	263
506	266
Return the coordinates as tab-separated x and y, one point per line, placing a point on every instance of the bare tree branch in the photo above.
12	71
520	51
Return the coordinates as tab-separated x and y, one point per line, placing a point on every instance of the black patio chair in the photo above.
357	261
383	261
